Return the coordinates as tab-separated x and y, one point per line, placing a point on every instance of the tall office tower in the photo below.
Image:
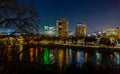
62	28
118	32
81	30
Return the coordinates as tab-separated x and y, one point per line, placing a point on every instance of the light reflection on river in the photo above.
63	58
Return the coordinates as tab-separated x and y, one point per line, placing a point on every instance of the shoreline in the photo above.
117	48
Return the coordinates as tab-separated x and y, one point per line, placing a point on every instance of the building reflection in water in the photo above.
117	58
52	57
80	58
66	57
40	55
41	49
98	58
70	55
86	56
20	51
9	53
36	53
31	54
60	58
46	56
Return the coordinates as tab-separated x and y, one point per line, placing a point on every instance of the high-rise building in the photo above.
81	30
113	34
118	32
62	28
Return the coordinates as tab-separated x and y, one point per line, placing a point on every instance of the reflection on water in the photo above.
60	58
78	57
31	54
70	55
36	53
9	53
86	56
46	56
63	58
117	58
67	56
52	57
98	58
20	50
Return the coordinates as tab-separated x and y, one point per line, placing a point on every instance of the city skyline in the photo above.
97	14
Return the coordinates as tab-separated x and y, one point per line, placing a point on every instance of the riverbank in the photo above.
116	48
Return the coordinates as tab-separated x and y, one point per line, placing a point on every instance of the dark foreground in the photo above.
23	68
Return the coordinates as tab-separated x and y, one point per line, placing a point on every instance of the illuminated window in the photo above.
59	23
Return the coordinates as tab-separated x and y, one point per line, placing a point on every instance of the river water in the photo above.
63	58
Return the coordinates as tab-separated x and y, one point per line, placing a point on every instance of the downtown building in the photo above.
62	28
49	30
81	30
113	34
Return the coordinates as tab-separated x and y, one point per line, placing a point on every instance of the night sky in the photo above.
98	14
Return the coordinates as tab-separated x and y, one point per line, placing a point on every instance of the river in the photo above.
64	58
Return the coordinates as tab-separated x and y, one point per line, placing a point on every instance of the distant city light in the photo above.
49	30
6	31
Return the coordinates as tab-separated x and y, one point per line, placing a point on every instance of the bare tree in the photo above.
21	17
